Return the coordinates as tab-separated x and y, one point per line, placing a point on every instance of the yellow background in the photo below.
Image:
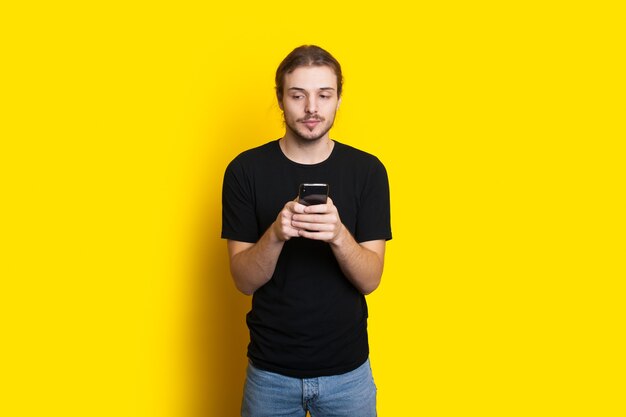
501	125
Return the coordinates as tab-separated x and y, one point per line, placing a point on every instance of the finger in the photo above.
294	207
314	218
324	236
313	227
298	208
317	208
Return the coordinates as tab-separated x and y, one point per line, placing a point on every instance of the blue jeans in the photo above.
267	394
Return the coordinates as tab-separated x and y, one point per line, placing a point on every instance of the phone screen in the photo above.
311	194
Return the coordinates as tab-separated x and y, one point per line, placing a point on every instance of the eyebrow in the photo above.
302	89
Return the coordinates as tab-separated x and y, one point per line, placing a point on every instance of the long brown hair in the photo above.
306	56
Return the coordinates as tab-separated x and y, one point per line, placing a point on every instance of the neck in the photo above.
305	151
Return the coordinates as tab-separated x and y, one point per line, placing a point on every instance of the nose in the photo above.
311	105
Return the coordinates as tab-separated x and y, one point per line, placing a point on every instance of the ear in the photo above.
280	104
338	103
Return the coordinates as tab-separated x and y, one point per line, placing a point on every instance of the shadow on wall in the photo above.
219	333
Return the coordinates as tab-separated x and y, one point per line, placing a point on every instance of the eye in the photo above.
324	96
297	96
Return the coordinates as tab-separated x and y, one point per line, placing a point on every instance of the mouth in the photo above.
311	123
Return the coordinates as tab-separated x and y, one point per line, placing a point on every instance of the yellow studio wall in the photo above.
502	129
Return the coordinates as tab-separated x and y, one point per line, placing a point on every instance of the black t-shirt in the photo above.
308	320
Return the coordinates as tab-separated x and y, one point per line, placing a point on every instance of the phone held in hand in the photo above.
311	194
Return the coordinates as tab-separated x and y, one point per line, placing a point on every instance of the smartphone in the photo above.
311	194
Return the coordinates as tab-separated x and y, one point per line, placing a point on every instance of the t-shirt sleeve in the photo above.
239	221
374	217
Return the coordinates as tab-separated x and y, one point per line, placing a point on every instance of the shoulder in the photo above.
255	157
357	157
259	153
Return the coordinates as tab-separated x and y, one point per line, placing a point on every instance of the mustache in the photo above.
305	119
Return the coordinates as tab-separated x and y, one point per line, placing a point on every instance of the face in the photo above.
310	102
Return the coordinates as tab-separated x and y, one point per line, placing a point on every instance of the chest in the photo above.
278	185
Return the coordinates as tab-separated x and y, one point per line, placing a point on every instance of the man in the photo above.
307	267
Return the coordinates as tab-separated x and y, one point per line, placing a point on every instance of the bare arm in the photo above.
253	264
362	263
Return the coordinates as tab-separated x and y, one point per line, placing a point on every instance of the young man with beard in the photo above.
307	267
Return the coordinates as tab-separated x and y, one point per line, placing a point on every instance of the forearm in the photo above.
363	267
254	266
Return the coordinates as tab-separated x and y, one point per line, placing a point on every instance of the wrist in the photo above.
274	234
340	237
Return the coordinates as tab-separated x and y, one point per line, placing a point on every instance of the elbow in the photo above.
242	285
248	285
243	288
369	288
373	282
247	292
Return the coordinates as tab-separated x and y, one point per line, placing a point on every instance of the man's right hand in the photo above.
283	226
252	264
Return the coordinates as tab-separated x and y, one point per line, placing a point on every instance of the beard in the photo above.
304	134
